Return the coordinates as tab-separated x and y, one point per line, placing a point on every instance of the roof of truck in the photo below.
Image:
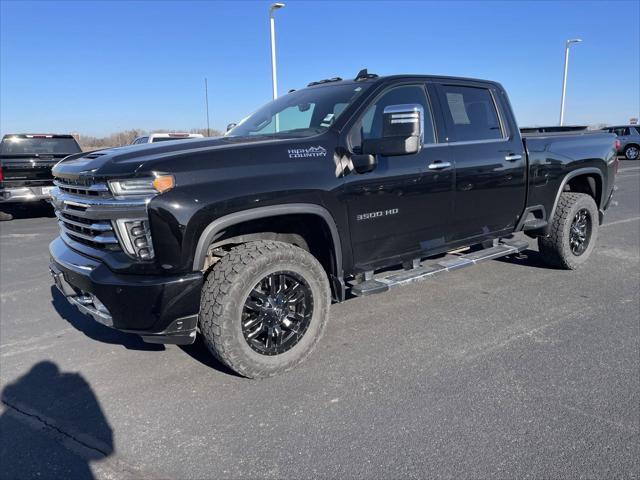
39	135
175	134
372	78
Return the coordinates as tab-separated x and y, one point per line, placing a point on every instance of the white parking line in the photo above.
624	220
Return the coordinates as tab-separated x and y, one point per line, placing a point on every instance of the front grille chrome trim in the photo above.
61	197
94	187
101	227
104	239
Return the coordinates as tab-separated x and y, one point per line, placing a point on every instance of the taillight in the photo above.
616	144
1	174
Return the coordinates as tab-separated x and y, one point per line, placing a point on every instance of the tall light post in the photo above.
272	25
564	76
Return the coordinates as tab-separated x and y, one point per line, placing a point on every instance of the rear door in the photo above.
402	207
489	160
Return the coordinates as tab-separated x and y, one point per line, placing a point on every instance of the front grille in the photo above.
89	214
82	188
96	233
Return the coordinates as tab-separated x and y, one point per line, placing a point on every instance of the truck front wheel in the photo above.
264	306
573	232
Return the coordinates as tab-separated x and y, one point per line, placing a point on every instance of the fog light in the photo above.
135	237
140	242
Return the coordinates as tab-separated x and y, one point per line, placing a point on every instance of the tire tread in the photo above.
216	303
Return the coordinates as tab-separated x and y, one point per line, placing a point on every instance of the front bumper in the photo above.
162	309
24	194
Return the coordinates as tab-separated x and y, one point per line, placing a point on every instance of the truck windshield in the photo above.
302	113
22	145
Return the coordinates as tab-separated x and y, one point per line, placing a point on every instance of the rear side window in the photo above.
166	139
472	113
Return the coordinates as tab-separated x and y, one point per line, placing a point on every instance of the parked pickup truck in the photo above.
25	164
247	238
164	137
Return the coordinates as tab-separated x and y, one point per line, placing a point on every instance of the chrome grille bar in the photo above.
101	226
83	189
102	238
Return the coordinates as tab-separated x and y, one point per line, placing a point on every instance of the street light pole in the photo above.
564	76
272	26
206	103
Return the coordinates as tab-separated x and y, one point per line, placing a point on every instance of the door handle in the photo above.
512	157
439	165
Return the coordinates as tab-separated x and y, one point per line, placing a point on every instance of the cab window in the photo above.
472	113
370	123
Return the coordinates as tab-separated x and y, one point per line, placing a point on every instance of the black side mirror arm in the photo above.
364	163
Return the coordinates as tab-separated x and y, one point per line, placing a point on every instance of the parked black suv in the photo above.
248	238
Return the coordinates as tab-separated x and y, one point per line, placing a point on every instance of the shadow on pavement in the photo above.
95	330
26	210
52	426
528	258
199	351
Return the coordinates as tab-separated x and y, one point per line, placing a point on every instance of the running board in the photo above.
383	284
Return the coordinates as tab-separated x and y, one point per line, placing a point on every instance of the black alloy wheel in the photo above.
580	232
277	313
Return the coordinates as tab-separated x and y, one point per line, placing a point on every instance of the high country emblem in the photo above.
307	152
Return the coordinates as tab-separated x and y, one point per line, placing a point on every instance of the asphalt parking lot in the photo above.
502	370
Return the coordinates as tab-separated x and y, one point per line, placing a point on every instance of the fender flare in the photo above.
215	228
569	176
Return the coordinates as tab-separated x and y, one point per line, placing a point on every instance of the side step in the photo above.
534	224
383	284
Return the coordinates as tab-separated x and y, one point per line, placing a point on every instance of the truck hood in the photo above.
139	159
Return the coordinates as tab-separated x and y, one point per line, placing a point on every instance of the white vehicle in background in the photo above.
163	137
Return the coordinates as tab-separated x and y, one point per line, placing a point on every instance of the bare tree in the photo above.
126	137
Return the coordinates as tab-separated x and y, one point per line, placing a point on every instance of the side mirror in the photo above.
230	126
402	130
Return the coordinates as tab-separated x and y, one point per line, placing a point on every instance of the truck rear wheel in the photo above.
264	306
573	232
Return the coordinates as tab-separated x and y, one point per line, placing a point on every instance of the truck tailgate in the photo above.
28	170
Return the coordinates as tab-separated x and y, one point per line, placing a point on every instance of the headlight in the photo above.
159	183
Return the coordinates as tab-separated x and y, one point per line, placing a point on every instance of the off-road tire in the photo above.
631	152
556	248
226	289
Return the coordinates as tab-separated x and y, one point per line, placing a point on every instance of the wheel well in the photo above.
630	145
307	231
589	183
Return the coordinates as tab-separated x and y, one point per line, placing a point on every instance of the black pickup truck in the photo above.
317	196
26	160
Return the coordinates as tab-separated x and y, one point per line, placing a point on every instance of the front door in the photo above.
402	207
489	160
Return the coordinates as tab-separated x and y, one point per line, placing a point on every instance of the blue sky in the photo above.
98	67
